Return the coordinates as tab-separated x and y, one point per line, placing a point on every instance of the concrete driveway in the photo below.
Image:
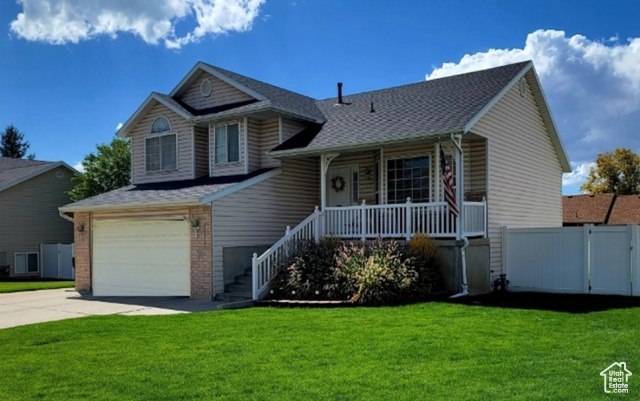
21	308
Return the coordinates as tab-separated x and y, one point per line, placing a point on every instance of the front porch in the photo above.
394	192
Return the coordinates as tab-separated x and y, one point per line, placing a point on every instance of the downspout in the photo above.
65	216
461	236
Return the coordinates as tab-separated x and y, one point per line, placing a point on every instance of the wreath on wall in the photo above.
337	183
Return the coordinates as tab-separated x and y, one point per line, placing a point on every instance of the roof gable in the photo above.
274	97
153	100
529	73
220	93
16	171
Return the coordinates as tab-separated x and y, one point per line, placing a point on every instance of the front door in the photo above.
340	186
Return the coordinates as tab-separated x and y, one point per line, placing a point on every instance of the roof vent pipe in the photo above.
339	92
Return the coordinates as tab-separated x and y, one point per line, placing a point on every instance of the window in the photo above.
160	124
408	178
227	144
161	153
26	262
355	185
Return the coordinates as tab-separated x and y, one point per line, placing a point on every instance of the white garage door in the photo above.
141	258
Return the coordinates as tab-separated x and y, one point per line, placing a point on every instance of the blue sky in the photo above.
72	70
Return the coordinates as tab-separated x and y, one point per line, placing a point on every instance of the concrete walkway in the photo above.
29	307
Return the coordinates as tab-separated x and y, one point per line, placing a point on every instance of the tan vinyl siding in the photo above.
221	93
290	128
201	146
254	128
475	178
29	215
525	177
258	215
269	139
225	169
140	132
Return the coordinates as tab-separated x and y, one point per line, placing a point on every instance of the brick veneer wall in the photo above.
201	253
82	240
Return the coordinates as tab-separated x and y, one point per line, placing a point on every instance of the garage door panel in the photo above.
144	258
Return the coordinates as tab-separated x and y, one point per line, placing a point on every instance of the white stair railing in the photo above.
265	266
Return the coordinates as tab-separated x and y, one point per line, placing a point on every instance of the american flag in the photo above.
447	179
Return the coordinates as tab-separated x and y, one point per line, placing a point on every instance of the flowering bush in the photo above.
381	273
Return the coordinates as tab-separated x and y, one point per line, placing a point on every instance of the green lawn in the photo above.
435	351
16	286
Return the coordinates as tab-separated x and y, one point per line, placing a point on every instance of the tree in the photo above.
109	169
615	172
13	144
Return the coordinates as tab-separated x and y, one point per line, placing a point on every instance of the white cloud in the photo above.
120	125
78	166
593	88
73	21
578	175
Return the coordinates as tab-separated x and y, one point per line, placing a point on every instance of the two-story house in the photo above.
223	163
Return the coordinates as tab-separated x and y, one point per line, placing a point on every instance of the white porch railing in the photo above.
368	222
264	266
403	220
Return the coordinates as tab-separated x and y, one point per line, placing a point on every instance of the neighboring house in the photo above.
626	210
30	193
223	163
586	209
609	209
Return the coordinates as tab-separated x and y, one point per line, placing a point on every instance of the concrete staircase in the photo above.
238	294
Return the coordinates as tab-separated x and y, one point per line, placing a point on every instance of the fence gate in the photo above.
588	259
611	260
57	261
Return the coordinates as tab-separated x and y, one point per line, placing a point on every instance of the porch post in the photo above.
457	141
325	160
323	181
438	177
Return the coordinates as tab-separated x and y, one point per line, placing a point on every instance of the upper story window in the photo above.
161	150
227	144
161	124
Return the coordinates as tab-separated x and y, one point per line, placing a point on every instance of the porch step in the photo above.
234	296
239	287
239	291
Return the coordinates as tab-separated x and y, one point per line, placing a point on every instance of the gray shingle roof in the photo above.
14	171
279	98
428	107
189	191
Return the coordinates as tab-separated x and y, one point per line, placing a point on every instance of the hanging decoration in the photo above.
337	183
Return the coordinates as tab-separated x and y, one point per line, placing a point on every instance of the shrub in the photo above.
427	262
382	273
348	260
386	276
305	271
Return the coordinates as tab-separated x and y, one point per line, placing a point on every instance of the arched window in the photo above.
161	124
161	150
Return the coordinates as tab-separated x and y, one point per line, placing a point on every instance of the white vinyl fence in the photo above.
581	260
57	261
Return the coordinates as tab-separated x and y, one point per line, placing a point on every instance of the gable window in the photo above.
227	145
26	262
161	150
408	178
